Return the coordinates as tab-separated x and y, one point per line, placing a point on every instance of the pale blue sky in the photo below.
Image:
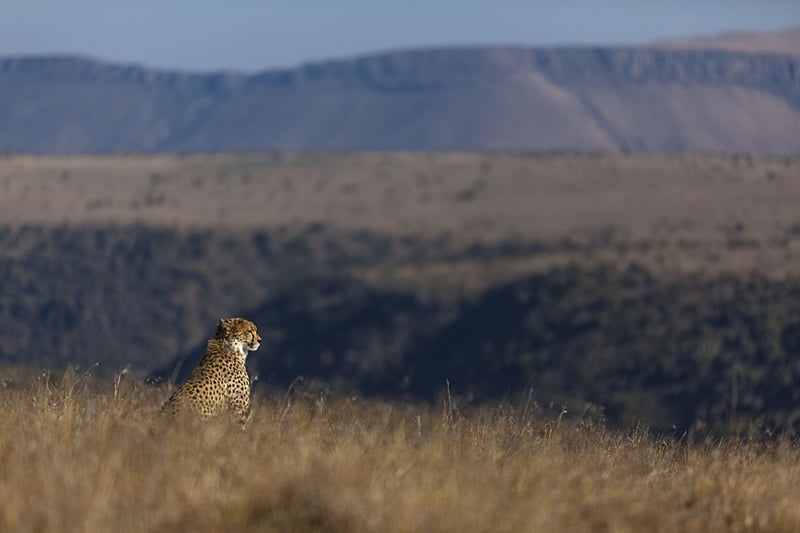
252	35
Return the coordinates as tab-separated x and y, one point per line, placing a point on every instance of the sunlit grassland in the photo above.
83	454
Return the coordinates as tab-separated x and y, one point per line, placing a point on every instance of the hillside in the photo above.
652	288
586	99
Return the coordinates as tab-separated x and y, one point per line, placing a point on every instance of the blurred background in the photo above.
591	205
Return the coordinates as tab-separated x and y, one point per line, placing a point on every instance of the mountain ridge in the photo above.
457	98
561	63
786	41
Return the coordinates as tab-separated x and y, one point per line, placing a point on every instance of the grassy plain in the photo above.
129	260
84	455
444	220
680	202
106	251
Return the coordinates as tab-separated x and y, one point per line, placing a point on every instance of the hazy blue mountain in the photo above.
783	42
441	99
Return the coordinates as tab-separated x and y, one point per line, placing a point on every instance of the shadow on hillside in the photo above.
668	353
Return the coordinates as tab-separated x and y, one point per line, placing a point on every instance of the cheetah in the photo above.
220	382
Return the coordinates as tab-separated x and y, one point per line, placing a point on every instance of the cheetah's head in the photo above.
241	333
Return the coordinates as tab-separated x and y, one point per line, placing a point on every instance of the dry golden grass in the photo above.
81	456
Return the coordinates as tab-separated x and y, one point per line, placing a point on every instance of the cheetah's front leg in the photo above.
239	403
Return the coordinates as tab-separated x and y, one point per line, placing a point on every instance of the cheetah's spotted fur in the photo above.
220	382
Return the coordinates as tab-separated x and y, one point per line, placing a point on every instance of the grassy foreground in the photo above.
84	456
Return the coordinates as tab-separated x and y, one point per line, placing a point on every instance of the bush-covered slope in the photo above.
394	274
719	351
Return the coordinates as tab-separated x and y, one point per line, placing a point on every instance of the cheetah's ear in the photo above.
222	326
